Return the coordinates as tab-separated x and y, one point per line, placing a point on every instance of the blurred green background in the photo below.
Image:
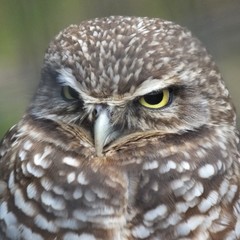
27	26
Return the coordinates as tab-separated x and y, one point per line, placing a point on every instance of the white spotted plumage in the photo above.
99	165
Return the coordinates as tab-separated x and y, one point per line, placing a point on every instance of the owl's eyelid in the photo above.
155	92
147	94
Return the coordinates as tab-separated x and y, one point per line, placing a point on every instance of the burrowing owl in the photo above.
130	135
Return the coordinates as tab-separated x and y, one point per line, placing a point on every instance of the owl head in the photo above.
118	76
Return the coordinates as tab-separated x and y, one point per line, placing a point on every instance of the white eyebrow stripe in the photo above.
67	78
149	86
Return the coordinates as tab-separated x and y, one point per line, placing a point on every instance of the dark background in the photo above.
27	26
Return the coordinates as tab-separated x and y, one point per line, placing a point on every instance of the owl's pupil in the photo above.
154	98
73	93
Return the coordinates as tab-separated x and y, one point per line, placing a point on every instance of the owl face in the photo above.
140	77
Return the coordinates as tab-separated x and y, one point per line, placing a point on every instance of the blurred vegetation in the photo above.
27	27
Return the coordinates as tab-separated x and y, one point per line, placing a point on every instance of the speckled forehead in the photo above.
117	54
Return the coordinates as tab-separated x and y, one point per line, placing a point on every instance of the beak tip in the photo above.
99	153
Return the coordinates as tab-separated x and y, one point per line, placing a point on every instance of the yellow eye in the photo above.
155	100
69	93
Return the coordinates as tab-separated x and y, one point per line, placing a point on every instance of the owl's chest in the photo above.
116	198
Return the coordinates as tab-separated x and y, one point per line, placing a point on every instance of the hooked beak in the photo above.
104	132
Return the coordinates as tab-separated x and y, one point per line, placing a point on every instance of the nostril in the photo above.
98	109
95	113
